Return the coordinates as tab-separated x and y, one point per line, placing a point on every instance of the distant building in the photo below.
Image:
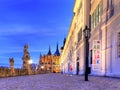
12	69
103	18
26	57
50	62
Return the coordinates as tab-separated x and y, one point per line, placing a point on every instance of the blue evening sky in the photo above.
38	23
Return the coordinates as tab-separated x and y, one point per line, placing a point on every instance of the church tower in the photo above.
26	57
50	61
57	53
12	71
56	66
49	52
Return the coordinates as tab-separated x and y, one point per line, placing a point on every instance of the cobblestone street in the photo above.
59	82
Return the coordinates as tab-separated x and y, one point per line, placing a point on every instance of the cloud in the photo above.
37	50
11	51
4	57
20	50
15	29
30	30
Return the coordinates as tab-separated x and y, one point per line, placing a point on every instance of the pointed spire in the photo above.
40	55
49	52
57	51
57	47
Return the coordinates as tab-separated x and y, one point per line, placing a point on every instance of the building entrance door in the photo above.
77	73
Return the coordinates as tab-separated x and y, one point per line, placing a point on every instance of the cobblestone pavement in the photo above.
58	82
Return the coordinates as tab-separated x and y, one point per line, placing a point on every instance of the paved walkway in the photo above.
58	82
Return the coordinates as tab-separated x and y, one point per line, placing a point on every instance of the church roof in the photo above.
57	53
49	52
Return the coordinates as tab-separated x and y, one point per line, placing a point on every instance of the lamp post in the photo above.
87	36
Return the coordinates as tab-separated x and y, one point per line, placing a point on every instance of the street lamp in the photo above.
87	36
30	62
42	67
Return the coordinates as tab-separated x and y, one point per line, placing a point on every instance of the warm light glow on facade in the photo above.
103	17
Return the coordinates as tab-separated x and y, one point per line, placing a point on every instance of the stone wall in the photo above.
6	72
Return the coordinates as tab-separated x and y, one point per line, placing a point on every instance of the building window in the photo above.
41	63
119	44
53	63
79	35
48	62
96	16
99	11
92	21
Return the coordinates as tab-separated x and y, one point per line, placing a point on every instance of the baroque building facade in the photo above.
73	52
50	62
103	18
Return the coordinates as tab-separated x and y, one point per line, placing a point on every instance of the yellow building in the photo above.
50	62
73	52
103	18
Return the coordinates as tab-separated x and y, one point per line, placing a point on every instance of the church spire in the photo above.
57	53
57	47
40	55
49	52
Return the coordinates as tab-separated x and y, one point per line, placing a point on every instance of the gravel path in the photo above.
58	82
